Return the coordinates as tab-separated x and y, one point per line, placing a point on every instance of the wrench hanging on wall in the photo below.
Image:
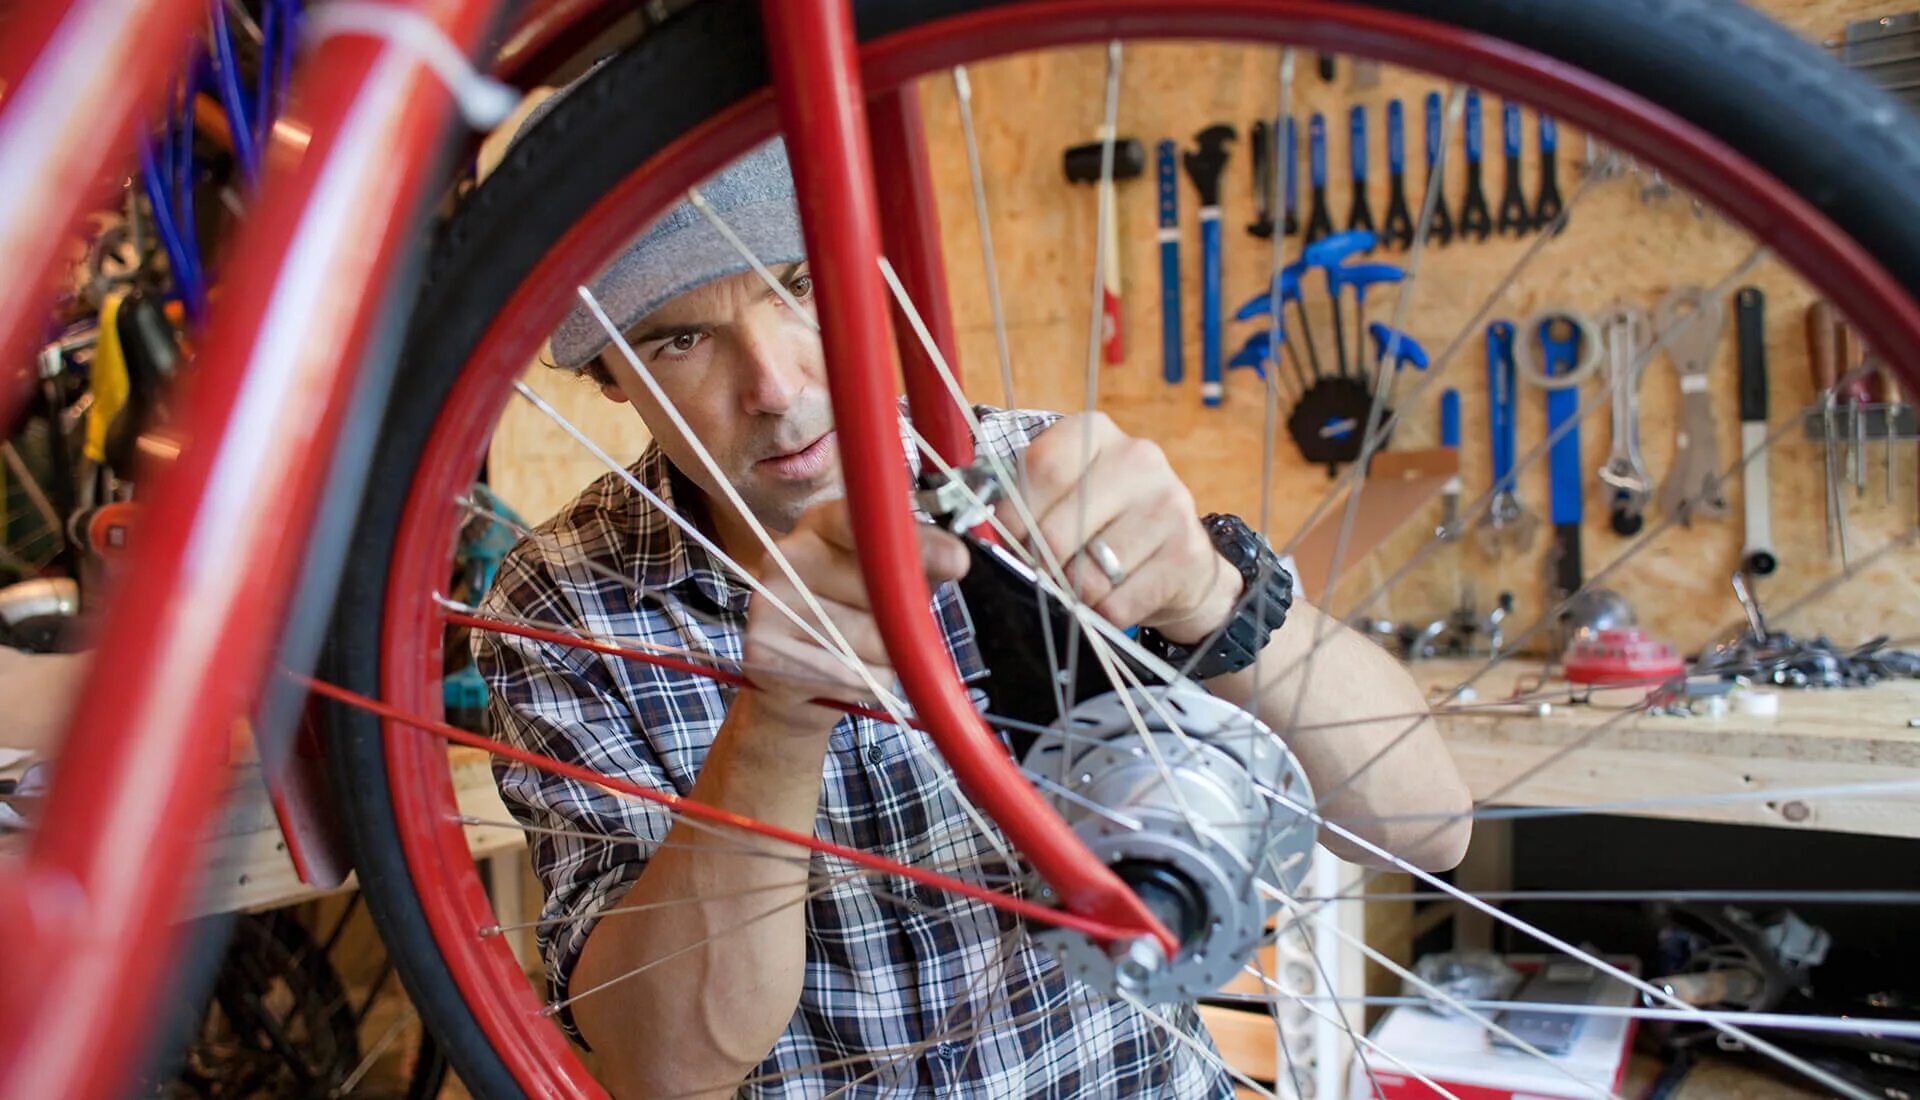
1693	321
1319	222
1547	206
1507	522
1475	220
1397	229
1359	214
1440	225
1204	167
1626	332
1167	177
1750	330
1559	352
1515	218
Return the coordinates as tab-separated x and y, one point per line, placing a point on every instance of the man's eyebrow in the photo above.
651	333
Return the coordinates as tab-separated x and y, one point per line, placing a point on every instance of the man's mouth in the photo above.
801	464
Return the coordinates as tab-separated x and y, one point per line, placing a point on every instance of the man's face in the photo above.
747	376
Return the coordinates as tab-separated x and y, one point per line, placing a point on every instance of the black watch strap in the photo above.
1266	595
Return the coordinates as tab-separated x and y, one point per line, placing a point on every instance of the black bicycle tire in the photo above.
1768	92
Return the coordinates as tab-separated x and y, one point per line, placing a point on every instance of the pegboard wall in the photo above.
1618	245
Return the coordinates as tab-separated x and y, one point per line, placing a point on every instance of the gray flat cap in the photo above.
681	251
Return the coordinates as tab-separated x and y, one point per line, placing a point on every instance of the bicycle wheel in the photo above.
1717	99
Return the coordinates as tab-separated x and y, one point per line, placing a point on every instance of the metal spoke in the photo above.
1197	1047
963	98
1306	1002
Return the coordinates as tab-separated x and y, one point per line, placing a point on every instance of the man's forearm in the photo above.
1357	722
730	924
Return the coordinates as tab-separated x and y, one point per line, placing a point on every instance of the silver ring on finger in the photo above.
1107	561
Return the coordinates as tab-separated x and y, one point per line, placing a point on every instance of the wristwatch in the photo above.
1266	595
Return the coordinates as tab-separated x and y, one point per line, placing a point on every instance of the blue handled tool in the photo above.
1319	222
1359	214
1515	218
1397	228
1559	352
1327	254
1360	277
1507	522
1293	181
1546	204
1407	351
1440	224
1449	529
1261	305
1254	353
1204	167
1170	335
1475	221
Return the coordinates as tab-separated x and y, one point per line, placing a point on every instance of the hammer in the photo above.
1083	165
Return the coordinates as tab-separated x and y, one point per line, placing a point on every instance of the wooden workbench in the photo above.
1819	738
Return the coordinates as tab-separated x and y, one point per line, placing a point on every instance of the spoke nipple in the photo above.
489	930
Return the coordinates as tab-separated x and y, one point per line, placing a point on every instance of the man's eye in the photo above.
801	287
684	342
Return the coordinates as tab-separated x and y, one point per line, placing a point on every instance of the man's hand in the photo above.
1089	483
786	663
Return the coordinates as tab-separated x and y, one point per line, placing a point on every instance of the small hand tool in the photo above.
1626	332
1359	214
1559	352
1823	358
1360	277
1749	329
1440	225
1547	206
1083	164
1450	529
1475	220
1397	228
1293	179
1166	175
1260	155
1319	222
1507	522
1204	166
1405	350
1515	218
1329	421
1328	254
1693	322
1262	305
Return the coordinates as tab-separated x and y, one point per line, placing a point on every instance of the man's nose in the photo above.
774	371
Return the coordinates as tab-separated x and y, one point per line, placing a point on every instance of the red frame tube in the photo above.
89	919
816	81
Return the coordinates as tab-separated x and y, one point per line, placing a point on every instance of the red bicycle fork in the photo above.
88	917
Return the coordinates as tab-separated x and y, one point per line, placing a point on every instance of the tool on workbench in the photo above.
1692	321
1627	334
1515	218
1507	522
1397	228
1450	529
1292	179
1089	163
1359	213
1260	156
1547	206
1750	333
1204	166
1440	224
1823	359
1171	337
1560	345
1328	254
1319	222
1475	220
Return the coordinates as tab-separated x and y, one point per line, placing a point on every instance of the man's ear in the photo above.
613	393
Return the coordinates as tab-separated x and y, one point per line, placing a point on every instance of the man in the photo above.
725	967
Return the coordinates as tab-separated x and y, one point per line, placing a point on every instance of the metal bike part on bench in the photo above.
1750	332
1475	220
1440	225
1396	229
1626	333
1166	176
1693	322
1559	352
1204	167
1515	218
1507	523
1359	214
1547	206
1319	222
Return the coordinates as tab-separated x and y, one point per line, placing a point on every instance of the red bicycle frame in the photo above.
89	916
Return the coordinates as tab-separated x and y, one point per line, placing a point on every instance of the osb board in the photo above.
535	466
1615	247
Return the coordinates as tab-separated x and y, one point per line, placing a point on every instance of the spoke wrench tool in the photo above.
1167	178
1319	222
1515	218
1440	225
1360	214
1204	166
1507	522
1547	206
1559	352
1082	164
1750	331
1397	229
1475	220
1693	322
1626	333
1260	156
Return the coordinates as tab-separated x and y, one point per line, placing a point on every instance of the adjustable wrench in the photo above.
1693	321
1507	522
1440	226
1397	229
1360	214
1626	333
1515	218
1475	221
1750	331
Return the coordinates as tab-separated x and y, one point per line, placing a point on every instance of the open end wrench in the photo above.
1694	321
1204	167
1475	220
1750	331
1319	222
1515	218
1626	333
1547	206
1397	228
1440	224
1559	352
1360	214
1293	180
1506	522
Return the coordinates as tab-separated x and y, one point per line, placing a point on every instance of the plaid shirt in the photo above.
889	964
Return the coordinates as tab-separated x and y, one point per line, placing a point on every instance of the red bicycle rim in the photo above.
506	1006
